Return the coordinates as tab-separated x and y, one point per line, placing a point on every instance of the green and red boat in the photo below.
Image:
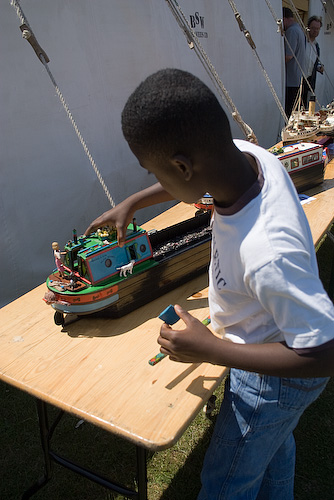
100	277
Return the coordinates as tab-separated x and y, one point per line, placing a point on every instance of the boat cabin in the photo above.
98	257
300	156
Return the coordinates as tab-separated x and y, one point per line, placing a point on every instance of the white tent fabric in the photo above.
99	52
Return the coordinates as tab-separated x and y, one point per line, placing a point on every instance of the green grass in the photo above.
173	474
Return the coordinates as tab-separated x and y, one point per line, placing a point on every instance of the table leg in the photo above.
142	473
45	440
46	433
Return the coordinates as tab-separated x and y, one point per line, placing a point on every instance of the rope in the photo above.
324	6
81	139
24	21
194	43
19	12
253	47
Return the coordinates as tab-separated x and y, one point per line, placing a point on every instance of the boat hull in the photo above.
86	308
308	177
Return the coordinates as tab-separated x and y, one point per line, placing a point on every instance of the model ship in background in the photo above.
304	163
307	124
97	276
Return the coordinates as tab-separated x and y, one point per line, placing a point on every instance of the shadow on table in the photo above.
190	296
324	186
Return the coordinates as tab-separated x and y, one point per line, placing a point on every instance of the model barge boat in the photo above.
304	163
99	277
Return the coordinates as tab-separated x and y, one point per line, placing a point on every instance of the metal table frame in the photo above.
50	456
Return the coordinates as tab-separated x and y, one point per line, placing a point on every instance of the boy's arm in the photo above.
196	343
121	215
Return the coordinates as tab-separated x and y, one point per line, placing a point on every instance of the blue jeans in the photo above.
252	451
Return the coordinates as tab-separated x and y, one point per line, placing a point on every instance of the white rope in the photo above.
253	47
324	6
194	43
23	19
19	12
81	139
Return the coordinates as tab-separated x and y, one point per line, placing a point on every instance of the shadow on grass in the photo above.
314	437
173	474
21	462
181	465
315	446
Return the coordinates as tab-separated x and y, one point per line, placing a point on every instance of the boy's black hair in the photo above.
171	112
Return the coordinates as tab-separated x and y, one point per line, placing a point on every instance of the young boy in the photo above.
265	296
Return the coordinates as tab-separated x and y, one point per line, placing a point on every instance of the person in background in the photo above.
294	58
312	54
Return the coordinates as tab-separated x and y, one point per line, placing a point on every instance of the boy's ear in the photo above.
184	166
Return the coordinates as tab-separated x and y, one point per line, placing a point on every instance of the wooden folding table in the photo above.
98	370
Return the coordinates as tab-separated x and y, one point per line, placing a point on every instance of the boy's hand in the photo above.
119	217
194	344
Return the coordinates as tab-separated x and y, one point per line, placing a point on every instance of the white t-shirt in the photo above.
264	283
310	57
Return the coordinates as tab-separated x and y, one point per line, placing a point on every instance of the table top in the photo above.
320	212
98	369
